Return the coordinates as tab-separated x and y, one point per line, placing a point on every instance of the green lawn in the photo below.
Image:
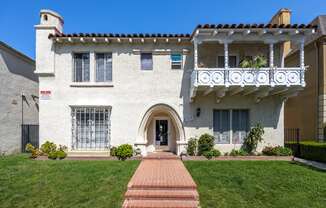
28	183
258	184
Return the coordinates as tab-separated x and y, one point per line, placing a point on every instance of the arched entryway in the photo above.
161	128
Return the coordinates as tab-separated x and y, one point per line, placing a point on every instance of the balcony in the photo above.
248	77
218	52
261	82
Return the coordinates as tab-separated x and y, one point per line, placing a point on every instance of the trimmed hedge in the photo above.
309	150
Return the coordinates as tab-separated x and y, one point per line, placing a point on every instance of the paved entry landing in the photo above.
161	180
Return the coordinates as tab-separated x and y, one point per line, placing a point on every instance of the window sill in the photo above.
92	84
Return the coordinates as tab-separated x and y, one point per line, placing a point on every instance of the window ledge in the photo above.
91	84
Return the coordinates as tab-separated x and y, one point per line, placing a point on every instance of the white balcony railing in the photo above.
248	77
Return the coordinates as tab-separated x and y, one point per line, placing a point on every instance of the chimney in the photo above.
51	19
50	23
283	16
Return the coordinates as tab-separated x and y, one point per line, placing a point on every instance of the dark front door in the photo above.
161	132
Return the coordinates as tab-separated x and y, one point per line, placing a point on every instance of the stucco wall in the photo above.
16	77
134	91
301	111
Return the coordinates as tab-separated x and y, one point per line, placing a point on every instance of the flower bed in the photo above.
283	158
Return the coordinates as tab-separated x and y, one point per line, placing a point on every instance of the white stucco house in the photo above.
155	91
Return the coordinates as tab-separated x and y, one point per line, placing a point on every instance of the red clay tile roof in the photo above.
205	26
121	35
252	26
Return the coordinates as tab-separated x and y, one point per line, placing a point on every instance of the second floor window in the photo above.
232	61
103	67
81	67
146	60
176	61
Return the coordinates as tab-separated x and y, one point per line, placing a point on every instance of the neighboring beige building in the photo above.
155	91
307	111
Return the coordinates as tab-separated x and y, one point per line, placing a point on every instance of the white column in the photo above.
271	55
92	66
195	54
302	54
226	55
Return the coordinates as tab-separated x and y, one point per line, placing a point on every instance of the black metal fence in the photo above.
291	135
30	134
292	140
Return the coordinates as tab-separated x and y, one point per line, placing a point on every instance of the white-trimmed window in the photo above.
176	61
90	128
81	71
103	67
146	60
232	61
230	126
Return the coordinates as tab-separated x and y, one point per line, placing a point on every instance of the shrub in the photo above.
253	138
211	153
277	151
268	150
63	148
205	143
310	150
216	152
240	152
192	147
61	154
208	154
113	151
29	147
53	155
35	153
124	151
48	147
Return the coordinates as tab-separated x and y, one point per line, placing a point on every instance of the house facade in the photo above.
155	91
313	97
18	97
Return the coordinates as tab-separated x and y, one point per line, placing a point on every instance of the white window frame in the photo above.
230	54
74	66
95	66
176	63
140	59
230	111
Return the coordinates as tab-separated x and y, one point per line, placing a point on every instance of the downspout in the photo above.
22	121
317	83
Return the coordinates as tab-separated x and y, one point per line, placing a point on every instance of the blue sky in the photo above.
17	18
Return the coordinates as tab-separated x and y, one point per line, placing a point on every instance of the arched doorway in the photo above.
161	129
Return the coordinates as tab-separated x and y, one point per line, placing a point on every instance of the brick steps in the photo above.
161	156
161	181
159	204
162	194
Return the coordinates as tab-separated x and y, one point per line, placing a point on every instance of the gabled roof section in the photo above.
16	53
321	22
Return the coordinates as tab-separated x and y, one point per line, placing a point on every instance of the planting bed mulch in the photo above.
254	158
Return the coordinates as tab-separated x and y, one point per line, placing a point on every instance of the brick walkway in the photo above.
161	180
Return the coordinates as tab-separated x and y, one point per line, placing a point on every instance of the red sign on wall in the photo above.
45	94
